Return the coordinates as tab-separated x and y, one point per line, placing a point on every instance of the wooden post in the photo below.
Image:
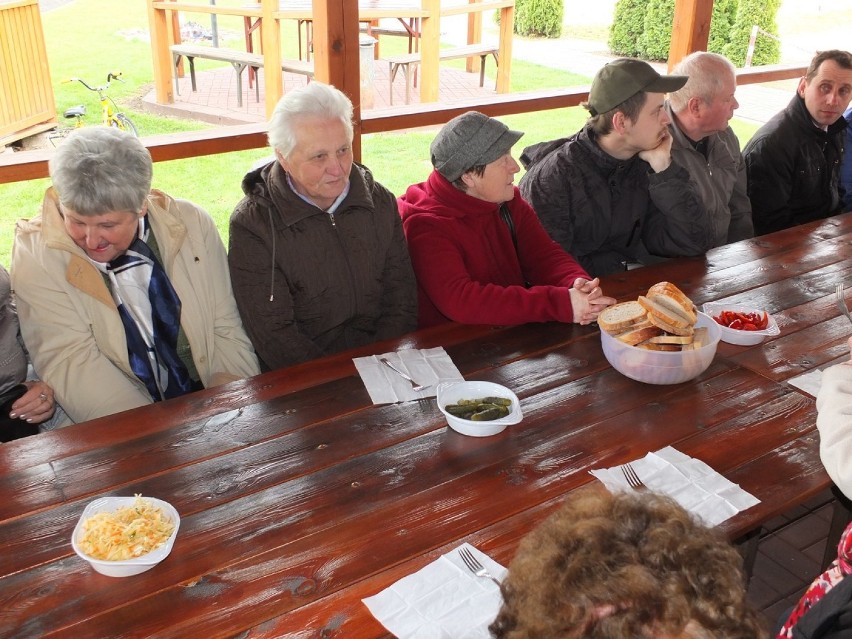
474	35
336	53
752	42
175	38
161	56
504	54
270	39
430	45
690	29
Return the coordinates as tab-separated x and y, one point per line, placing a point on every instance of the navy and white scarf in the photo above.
150	312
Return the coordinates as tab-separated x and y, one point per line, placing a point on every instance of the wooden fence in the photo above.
26	99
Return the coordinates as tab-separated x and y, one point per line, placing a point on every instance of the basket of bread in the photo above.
658	338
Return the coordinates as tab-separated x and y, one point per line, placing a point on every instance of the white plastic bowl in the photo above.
451	392
736	336
128	567
662	367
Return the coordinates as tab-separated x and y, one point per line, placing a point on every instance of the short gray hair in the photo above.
99	169
707	72
315	99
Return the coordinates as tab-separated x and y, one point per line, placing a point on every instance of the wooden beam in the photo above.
690	29
430	44
336	41
270	42
158	25
31	165
504	55
474	36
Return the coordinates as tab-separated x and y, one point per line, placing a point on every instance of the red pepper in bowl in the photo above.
743	321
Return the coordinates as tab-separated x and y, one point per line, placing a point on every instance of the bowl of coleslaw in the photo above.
124	536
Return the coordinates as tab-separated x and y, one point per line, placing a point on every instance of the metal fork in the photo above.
841	301
414	385
632	478
475	567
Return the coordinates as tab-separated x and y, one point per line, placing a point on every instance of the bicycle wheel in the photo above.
124	123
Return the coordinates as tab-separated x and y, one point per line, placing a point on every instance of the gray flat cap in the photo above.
470	140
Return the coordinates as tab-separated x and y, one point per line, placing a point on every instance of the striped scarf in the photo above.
150	312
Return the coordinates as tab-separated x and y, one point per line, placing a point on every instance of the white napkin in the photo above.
808	382
443	600
690	482
425	366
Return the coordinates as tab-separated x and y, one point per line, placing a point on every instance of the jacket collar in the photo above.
607	163
462	203
80	272
799	113
270	183
680	138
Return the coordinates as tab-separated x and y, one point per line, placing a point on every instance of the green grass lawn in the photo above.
85	41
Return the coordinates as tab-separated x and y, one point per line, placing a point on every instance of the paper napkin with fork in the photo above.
690	482
443	600
425	366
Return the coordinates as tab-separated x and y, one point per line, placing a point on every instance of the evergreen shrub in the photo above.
540	18
767	49
628	23
657	35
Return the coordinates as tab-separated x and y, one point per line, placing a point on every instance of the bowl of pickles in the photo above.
478	409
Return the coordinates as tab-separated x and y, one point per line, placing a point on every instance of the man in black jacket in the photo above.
611	194
793	160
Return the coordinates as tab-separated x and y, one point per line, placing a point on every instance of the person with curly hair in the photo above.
631	565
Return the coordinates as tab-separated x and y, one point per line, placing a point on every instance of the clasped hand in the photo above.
588	300
660	157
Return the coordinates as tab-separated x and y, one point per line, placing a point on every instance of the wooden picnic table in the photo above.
406	12
310	498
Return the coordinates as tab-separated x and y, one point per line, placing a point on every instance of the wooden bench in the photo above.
240	60
407	60
407	29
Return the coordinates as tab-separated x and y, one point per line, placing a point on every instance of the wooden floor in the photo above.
216	97
789	557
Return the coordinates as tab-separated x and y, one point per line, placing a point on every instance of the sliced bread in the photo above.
687	313
672	339
673	299
662	313
699	339
639	335
652	346
674	291
619	317
670	328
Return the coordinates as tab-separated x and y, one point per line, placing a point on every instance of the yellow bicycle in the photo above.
110	115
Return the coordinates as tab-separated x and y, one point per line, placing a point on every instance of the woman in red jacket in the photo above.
479	251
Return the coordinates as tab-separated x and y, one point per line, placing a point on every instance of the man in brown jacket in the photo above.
317	256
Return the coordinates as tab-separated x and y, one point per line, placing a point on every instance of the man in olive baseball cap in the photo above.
610	194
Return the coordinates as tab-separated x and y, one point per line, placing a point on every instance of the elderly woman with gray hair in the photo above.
317	255
123	292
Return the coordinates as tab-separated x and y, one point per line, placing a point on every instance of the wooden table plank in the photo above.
309	511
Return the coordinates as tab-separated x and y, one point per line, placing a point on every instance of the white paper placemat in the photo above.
425	366
808	382
690	482
443	600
